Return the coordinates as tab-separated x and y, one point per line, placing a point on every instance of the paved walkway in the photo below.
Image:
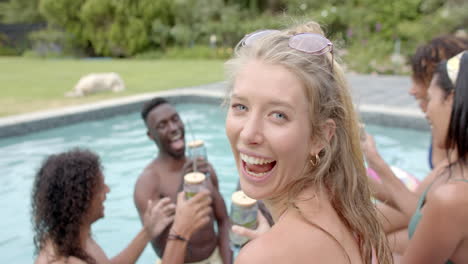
390	91
387	91
381	100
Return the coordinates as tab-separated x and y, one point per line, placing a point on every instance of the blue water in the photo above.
125	150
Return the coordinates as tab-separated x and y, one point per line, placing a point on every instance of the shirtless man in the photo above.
163	177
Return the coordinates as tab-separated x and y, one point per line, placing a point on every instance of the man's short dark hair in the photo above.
150	105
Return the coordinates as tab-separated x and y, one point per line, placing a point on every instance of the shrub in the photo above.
144	28
50	42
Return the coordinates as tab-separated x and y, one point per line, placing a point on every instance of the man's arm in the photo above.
155	219
190	216
222	219
145	191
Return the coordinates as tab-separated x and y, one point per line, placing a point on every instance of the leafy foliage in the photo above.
20	11
376	33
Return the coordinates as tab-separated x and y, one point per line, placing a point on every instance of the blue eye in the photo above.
239	107
280	115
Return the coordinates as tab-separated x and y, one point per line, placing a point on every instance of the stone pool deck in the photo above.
381	100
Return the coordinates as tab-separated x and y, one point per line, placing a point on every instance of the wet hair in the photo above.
425	59
457	135
341	171
150	105
63	190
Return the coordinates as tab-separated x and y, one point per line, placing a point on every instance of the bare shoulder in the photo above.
259	250
45	258
430	178
73	260
449	203
149	174
450	195
292	244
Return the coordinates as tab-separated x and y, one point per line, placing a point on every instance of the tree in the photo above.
20	11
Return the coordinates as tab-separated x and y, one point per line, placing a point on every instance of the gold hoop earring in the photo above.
315	161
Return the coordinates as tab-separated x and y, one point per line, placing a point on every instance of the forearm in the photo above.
223	241
174	252
380	192
398	241
400	196
133	250
391	219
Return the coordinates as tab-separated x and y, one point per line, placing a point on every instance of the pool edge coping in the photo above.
22	124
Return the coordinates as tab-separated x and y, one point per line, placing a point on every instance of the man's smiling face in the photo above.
167	129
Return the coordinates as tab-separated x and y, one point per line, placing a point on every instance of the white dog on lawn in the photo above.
97	82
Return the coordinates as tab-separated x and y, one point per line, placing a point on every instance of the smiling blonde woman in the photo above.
295	137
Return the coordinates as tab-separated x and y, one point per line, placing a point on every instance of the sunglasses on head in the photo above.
311	43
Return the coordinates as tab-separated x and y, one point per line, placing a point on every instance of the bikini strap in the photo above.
422	198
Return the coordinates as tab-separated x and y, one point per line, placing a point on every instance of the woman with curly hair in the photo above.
67	198
423	64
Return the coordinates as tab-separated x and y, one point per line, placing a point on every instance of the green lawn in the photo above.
28	85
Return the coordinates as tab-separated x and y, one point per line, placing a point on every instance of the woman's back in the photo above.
48	256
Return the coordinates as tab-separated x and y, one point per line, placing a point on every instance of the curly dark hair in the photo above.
62	192
425	59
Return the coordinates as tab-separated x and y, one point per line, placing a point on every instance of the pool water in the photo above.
125	150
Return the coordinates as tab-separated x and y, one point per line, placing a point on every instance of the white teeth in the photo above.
260	174
252	160
176	137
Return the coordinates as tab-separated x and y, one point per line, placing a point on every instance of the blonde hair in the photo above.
341	171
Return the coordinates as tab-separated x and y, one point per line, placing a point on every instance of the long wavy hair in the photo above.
62	193
341	171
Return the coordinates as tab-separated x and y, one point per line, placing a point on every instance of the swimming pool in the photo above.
125	150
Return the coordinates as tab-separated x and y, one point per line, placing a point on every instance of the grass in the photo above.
28	85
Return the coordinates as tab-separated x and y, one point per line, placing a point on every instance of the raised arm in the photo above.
190	215
395	191
219	207
145	189
155	219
